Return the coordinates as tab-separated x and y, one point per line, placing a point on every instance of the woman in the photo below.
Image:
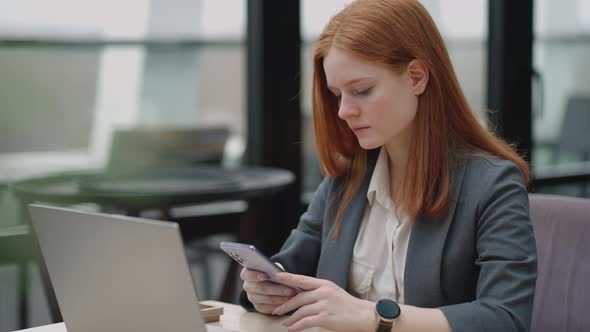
422	209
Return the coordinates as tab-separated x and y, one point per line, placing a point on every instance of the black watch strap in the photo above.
384	326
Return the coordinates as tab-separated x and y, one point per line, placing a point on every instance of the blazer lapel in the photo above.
422	272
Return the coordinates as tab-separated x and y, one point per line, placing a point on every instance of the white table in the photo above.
234	318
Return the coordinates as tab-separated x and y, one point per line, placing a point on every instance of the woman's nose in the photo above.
347	109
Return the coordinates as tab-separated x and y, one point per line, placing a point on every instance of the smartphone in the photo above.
251	258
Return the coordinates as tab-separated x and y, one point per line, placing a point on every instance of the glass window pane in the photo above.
67	65
561	89
560	53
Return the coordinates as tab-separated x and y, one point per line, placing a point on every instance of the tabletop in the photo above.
234	318
154	188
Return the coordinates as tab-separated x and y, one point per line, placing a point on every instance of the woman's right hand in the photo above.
264	295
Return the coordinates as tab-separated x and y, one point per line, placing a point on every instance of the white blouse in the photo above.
379	255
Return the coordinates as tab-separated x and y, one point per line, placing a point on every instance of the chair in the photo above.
18	247
562	232
573	143
574	135
15	248
165	147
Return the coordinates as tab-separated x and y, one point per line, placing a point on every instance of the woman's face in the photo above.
378	105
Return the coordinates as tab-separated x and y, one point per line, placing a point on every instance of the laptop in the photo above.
116	273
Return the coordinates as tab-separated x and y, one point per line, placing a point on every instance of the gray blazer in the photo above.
478	264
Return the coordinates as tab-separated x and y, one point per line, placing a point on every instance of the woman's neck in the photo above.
397	159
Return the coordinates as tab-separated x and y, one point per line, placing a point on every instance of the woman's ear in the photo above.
418	73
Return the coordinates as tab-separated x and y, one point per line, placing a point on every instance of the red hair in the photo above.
395	32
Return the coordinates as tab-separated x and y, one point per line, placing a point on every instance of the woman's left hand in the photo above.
323	304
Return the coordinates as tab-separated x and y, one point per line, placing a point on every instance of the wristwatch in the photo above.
388	312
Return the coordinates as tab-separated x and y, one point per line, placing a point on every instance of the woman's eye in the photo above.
362	92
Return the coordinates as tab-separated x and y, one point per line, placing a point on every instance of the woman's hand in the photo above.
264	295
324	304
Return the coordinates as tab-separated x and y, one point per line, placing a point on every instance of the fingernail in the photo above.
262	277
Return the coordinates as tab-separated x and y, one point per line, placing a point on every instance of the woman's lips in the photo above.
359	129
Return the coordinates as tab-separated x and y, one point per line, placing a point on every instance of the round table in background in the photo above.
155	188
161	189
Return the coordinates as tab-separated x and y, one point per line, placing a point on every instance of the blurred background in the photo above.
73	73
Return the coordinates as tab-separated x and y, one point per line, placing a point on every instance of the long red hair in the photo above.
394	32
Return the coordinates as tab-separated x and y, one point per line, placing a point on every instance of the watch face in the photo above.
387	309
